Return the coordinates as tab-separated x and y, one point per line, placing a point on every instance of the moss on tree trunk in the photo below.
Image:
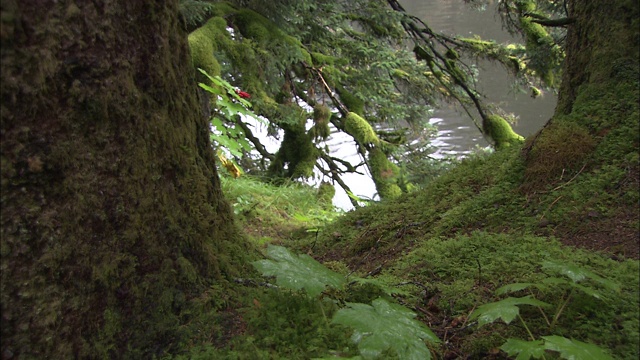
596	120
112	212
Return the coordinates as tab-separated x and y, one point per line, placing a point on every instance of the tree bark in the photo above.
601	34
596	119
112	212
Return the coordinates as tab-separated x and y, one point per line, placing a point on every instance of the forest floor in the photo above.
617	237
453	244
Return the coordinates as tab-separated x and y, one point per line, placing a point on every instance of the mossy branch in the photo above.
555	22
423	36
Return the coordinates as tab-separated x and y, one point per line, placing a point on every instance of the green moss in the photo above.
454	70
187	269
360	129
399	73
321	117
203	44
326	192
499	130
320	59
297	155
352	102
422	54
123	198
539	43
269	35
452	54
384	174
525	6
562	147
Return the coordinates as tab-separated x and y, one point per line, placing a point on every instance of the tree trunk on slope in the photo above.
112	213
596	118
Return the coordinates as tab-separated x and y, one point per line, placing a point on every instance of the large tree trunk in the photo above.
596	120
112	213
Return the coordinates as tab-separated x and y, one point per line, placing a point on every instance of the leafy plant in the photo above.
298	272
507	310
228	134
385	326
379	327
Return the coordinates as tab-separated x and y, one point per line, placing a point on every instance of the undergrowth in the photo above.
442	252
274	213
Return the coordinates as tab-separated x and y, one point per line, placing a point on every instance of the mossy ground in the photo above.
569	195
445	249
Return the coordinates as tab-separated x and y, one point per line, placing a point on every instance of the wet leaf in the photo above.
577	274
524	349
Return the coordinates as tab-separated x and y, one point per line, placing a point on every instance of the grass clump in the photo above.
277	213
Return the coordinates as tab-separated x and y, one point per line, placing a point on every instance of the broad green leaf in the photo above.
524	349
577	274
574	349
298	272
218	124
587	290
506	309
386	326
513	288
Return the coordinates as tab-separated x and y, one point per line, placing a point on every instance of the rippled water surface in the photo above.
457	135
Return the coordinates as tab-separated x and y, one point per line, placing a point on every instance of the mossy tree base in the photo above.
112	213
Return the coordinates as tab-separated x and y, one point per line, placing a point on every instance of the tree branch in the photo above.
333	173
555	22
256	142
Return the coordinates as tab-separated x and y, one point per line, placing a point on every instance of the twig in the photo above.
570	180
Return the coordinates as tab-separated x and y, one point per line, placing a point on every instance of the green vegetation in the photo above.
507	309
436	262
348	61
118	242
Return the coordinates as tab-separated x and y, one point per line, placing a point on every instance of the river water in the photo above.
457	135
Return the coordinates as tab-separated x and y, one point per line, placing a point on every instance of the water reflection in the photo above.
455	17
